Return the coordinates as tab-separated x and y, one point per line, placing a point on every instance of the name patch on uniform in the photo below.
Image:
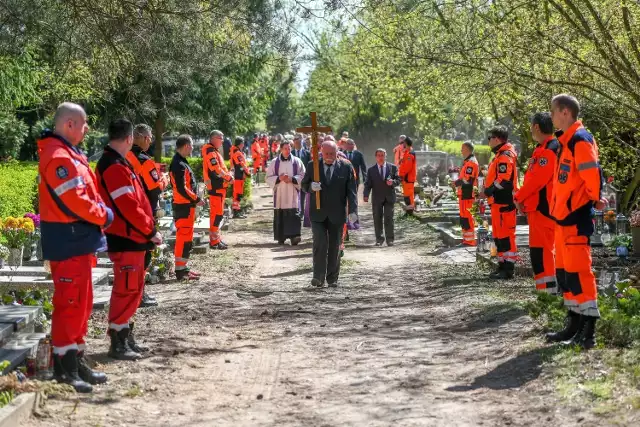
65	280
154	175
469	170
542	162
565	168
62	172
502	167
563	177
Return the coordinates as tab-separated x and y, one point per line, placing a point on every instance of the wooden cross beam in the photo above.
313	130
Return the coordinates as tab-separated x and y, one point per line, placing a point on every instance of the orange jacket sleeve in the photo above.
586	158
62	176
545	167
120	184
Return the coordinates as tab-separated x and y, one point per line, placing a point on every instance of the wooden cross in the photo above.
313	130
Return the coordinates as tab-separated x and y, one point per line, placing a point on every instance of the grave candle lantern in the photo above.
622	225
482	239
599	222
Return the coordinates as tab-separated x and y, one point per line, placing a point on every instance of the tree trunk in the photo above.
631	188
158	131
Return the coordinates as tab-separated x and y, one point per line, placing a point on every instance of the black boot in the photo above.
87	374
65	369
508	270
120	346
147	300
497	272
571	328
585	337
132	342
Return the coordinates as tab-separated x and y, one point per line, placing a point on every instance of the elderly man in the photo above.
337	186
382	178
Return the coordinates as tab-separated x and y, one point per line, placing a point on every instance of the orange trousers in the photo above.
238	191
467	222
128	284
408	191
503	225
72	302
184	239
542	250
573	271
216	211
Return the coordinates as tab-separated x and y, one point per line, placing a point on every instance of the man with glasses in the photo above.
501	183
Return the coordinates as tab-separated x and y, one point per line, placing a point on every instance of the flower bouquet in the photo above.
16	232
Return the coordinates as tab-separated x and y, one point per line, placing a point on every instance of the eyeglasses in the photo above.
489	138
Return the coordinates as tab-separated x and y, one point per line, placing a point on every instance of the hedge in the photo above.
483	152
19	188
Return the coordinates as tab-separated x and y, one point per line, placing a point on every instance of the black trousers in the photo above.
383	212
303	198
326	250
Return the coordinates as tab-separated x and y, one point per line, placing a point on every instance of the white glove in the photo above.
316	186
353	218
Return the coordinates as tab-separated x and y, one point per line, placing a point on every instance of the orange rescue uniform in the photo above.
217	179
185	199
256	155
536	196
500	184
408	173
577	186
240	172
465	183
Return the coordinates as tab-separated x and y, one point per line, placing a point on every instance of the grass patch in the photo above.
134	392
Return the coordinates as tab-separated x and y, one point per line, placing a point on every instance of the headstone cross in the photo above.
313	130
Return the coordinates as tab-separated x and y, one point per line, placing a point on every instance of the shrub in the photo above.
18	188
13	132
483	152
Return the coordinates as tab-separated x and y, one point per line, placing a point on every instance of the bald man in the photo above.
73	216
337	186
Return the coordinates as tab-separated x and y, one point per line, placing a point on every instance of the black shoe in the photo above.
132	341
295	240
219	246
65	370
281	242
239	215
317	283
87	374
507	271
585	336
572	324
333	284
379	243
389	242
120	346
147	301
496	273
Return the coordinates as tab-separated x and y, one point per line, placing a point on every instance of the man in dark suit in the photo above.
357	160
337	186
382	178
305	157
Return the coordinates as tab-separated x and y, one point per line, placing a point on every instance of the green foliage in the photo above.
619	240
18	188
483	152
6	397
12	135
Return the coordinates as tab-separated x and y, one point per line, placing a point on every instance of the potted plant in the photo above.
16	232
634	220
4	255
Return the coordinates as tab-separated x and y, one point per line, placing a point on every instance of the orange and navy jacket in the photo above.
578	179
133	225
238	163
536	192
145	167
183	181
468	178
71	210
215	172
256	151
502	176
264	144
408	167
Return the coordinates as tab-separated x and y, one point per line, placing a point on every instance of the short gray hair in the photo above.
381	150
351	141
141	131
216	133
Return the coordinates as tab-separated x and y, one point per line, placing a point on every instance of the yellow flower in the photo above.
27	225
11	222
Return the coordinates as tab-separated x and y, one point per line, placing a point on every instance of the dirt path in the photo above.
407	338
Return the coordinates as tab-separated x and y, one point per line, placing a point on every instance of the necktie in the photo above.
349	155
381	172
329	173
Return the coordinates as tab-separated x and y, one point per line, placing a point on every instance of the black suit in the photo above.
357	160
328	222
305	157
383	199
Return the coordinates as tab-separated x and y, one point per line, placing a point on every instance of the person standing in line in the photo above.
578	182
357	160
73	217
382	178
398	150
305	157
217	178
131	235
240	173
337	187
257	155
500	185
465	183
185	200
408	173
534	198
